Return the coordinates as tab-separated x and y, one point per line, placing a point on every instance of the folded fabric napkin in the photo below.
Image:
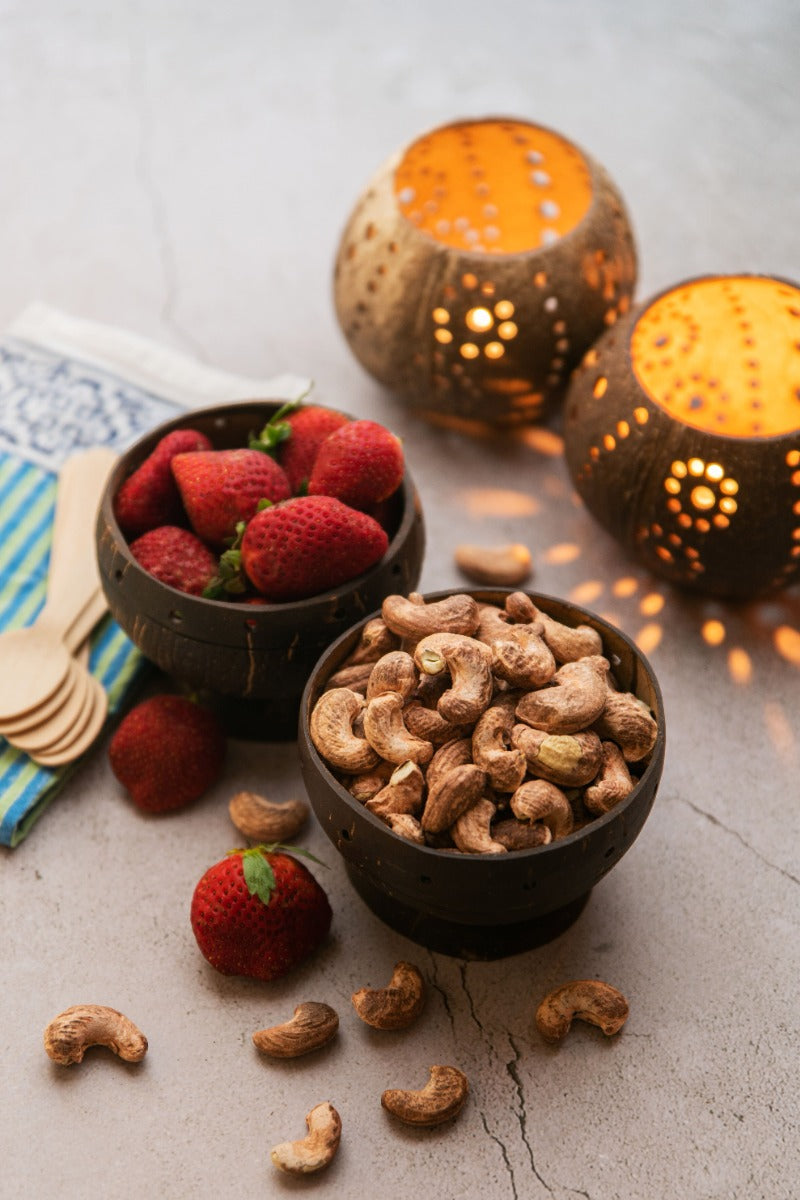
65	385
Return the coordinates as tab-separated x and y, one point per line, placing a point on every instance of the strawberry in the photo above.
259	912
167	751
149	496
177	557
219	488
307	545
309	429
360	464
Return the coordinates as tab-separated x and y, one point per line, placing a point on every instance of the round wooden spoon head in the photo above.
35	663
74	745
35	716
67	719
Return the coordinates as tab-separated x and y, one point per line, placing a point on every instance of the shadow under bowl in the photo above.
482	906
251	662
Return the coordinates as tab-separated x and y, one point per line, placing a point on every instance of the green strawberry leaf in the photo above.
229	579
264	503
277	429
258	874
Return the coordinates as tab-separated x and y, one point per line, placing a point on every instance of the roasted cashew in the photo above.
366	785
355	677
441	1098
393	672
567	642
492	752
540	801
451	796
430	725
613	782
453	614
523	658
521	835
471	833
575	700
500	566
452	754
313	1025
402	794
406	826
262	820
375	641
317	1149
386	732
626	720
331	728
395	1006
72	1032
585	999
567	759
469	663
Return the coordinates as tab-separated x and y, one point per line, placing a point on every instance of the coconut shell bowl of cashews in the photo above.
481	759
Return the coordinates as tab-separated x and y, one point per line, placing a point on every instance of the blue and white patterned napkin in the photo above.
67	385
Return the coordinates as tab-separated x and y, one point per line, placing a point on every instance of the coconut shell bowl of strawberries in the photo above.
232	566
479	780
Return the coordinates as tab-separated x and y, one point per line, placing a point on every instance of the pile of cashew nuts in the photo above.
478	728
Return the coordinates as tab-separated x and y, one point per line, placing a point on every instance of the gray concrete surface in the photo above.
184	170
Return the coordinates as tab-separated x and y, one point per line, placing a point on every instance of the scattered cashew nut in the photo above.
317	1149
441	1098
585	999
69	1035
395	1006
261	820
313	1025
502	566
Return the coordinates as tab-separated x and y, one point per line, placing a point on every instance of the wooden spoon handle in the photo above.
85	622
73	579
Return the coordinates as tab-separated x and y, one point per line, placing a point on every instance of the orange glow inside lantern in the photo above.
499	187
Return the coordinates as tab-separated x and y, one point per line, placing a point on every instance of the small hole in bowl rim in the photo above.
333	657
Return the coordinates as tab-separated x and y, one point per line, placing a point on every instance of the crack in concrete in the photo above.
143	170
442	992
522	1114
701	812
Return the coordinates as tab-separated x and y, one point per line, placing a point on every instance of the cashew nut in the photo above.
441	1098
568	759
567	642
331	728
521	835
261	820
406	826
72	1032
393	672
313	1025
471	833
452	754
451	796
386	732
626	720
575	700
492	752
355	677
613	782
540	801
402	794
317	1149
430	725
364	786
469	663
453	614
501	566
585	999
522	657
395	1006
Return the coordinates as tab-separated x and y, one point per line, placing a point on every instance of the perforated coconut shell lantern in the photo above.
682	434
479	265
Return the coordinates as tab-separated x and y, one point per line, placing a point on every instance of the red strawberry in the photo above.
177	557
308	545
259	912
360	464
149	497
309	429
219	488
167	752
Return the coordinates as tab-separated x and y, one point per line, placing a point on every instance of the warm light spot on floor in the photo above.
651	604
587	593
497	502
787	643
649	636
779	731
626	586
544	441
740	665
713	632
563	552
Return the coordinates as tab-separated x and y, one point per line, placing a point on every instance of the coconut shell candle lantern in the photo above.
479	265
682	434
